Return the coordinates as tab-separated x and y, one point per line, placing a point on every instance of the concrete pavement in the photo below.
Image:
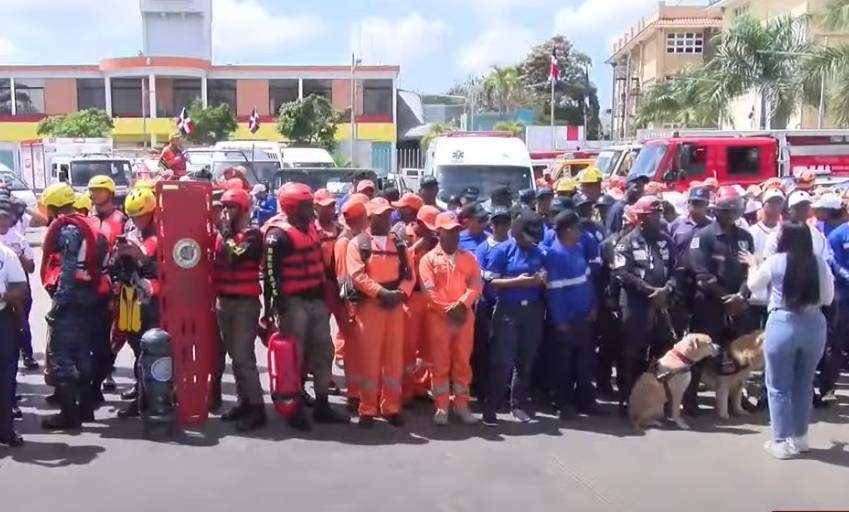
589	465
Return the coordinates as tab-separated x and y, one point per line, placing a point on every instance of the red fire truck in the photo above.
679	157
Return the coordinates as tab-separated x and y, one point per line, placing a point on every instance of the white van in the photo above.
483	160
307	157
272	150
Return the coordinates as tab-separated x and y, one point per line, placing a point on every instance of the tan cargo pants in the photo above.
309	323
237	321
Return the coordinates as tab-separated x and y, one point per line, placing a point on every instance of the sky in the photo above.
435	42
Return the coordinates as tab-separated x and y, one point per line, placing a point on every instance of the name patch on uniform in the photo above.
661	243
619	261
743	245
664	253
640	254
694	244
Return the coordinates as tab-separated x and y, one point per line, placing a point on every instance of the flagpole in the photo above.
586	98
553	137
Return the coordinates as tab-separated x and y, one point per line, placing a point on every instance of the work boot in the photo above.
300	421
353	405
323	413
396	420
236	412
252	418
131	394
17	413
109	384
68	417
366	422
12	440
30	363
131	410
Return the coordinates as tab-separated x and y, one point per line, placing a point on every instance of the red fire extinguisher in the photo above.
285	374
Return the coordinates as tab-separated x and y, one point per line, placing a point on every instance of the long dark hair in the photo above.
801	276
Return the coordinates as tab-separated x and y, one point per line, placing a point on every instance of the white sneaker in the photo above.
465	415
780	449
441	417
800	444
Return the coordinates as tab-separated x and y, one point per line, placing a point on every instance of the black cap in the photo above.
453	199
634	178
561	203
428	181
699	194
580	200
500	212
500	191
474	211
545	192
527	195
606	200
472	193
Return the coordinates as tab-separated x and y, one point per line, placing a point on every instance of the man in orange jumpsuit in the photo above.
329	230
380	271
452	280
407	207
355	217
416	341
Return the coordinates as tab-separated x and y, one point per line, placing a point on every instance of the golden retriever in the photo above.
649	395
748	352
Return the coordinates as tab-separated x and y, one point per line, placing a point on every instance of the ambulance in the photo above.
44	160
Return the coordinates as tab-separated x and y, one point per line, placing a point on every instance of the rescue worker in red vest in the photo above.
112	224
71	270
381	273
294	291
235	276
329	229
135	270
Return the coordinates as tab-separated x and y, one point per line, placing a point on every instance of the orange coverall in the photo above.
346	322
448	280
380	331
416	340
334	303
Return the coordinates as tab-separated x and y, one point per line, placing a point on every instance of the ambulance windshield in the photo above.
455	179
83	170
648	162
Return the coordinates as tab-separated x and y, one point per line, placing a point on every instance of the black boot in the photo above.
252	418
17	413
131	394
236	412
86	405
52	399
69	413
131	410
109	384
300	421
30	363
323	413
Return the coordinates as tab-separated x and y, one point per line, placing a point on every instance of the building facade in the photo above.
145	93
764	10
652	50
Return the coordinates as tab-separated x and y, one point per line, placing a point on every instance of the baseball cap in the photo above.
500	190
829	202
352	209
752	206
409	200
580	200
428	181
378	206
365	185
773	193
500	212
427	216
474	211
798	197
544	192
258	189
447	220
323	197
699	194
472	193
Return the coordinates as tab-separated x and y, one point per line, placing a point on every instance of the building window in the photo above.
91	93
5	97
685	42
186	91
377	97
29	96
744	160
319	88
221	92
281	92
742	10
127	97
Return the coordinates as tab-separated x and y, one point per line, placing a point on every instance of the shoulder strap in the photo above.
364	245
404	270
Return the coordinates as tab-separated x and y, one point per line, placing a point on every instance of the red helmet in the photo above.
646	205
234	184
729	198
293	194
239	197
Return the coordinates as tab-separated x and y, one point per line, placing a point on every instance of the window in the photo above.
127	96
186	91
744	160
221	92
685	42
5	97
319	88
91	93
29	96
377	97
697	166
743	10
281	92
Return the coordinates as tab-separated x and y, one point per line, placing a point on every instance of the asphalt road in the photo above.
589	465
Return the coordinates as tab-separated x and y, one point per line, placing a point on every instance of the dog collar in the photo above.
681	357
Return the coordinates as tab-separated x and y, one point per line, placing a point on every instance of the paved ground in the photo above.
589	465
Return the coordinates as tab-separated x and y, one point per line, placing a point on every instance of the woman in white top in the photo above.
799	284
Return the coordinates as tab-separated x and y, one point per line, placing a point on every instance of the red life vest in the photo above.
240	279
112	226
88	264
303	268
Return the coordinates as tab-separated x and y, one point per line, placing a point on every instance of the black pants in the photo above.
24	331
8	370
648	335
480	351
608	331
102	358
837	318
574	353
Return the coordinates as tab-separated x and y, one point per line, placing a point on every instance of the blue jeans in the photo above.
794	346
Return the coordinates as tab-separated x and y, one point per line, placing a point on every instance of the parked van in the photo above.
272	150
481	160
307	157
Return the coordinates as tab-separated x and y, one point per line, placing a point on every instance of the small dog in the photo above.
668	380
748	353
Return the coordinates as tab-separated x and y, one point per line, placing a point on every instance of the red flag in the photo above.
554	71
184	122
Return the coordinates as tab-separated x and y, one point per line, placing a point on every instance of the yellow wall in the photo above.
127	129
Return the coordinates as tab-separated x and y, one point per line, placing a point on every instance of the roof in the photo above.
682	22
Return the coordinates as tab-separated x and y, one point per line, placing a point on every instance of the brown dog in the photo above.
672	374
748	352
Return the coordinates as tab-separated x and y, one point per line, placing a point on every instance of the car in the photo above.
18	187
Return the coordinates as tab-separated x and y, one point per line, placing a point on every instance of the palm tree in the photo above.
509	126
694	97
435	130
764	58
826	68
504	83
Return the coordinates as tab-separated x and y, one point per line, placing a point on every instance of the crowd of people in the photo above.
562	294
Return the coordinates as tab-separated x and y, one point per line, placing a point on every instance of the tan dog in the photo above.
748	352
645	406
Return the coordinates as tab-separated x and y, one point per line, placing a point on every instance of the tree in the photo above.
509	126
504	86
825	70
691	98
312	121
85	123
212	124
435	130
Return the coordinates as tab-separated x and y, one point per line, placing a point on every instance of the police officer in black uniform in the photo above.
720	307
644	265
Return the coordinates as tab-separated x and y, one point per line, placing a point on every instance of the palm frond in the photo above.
834	16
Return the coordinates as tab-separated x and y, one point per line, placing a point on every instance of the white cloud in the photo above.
498	45
247	26
608	19
396	41
7	48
